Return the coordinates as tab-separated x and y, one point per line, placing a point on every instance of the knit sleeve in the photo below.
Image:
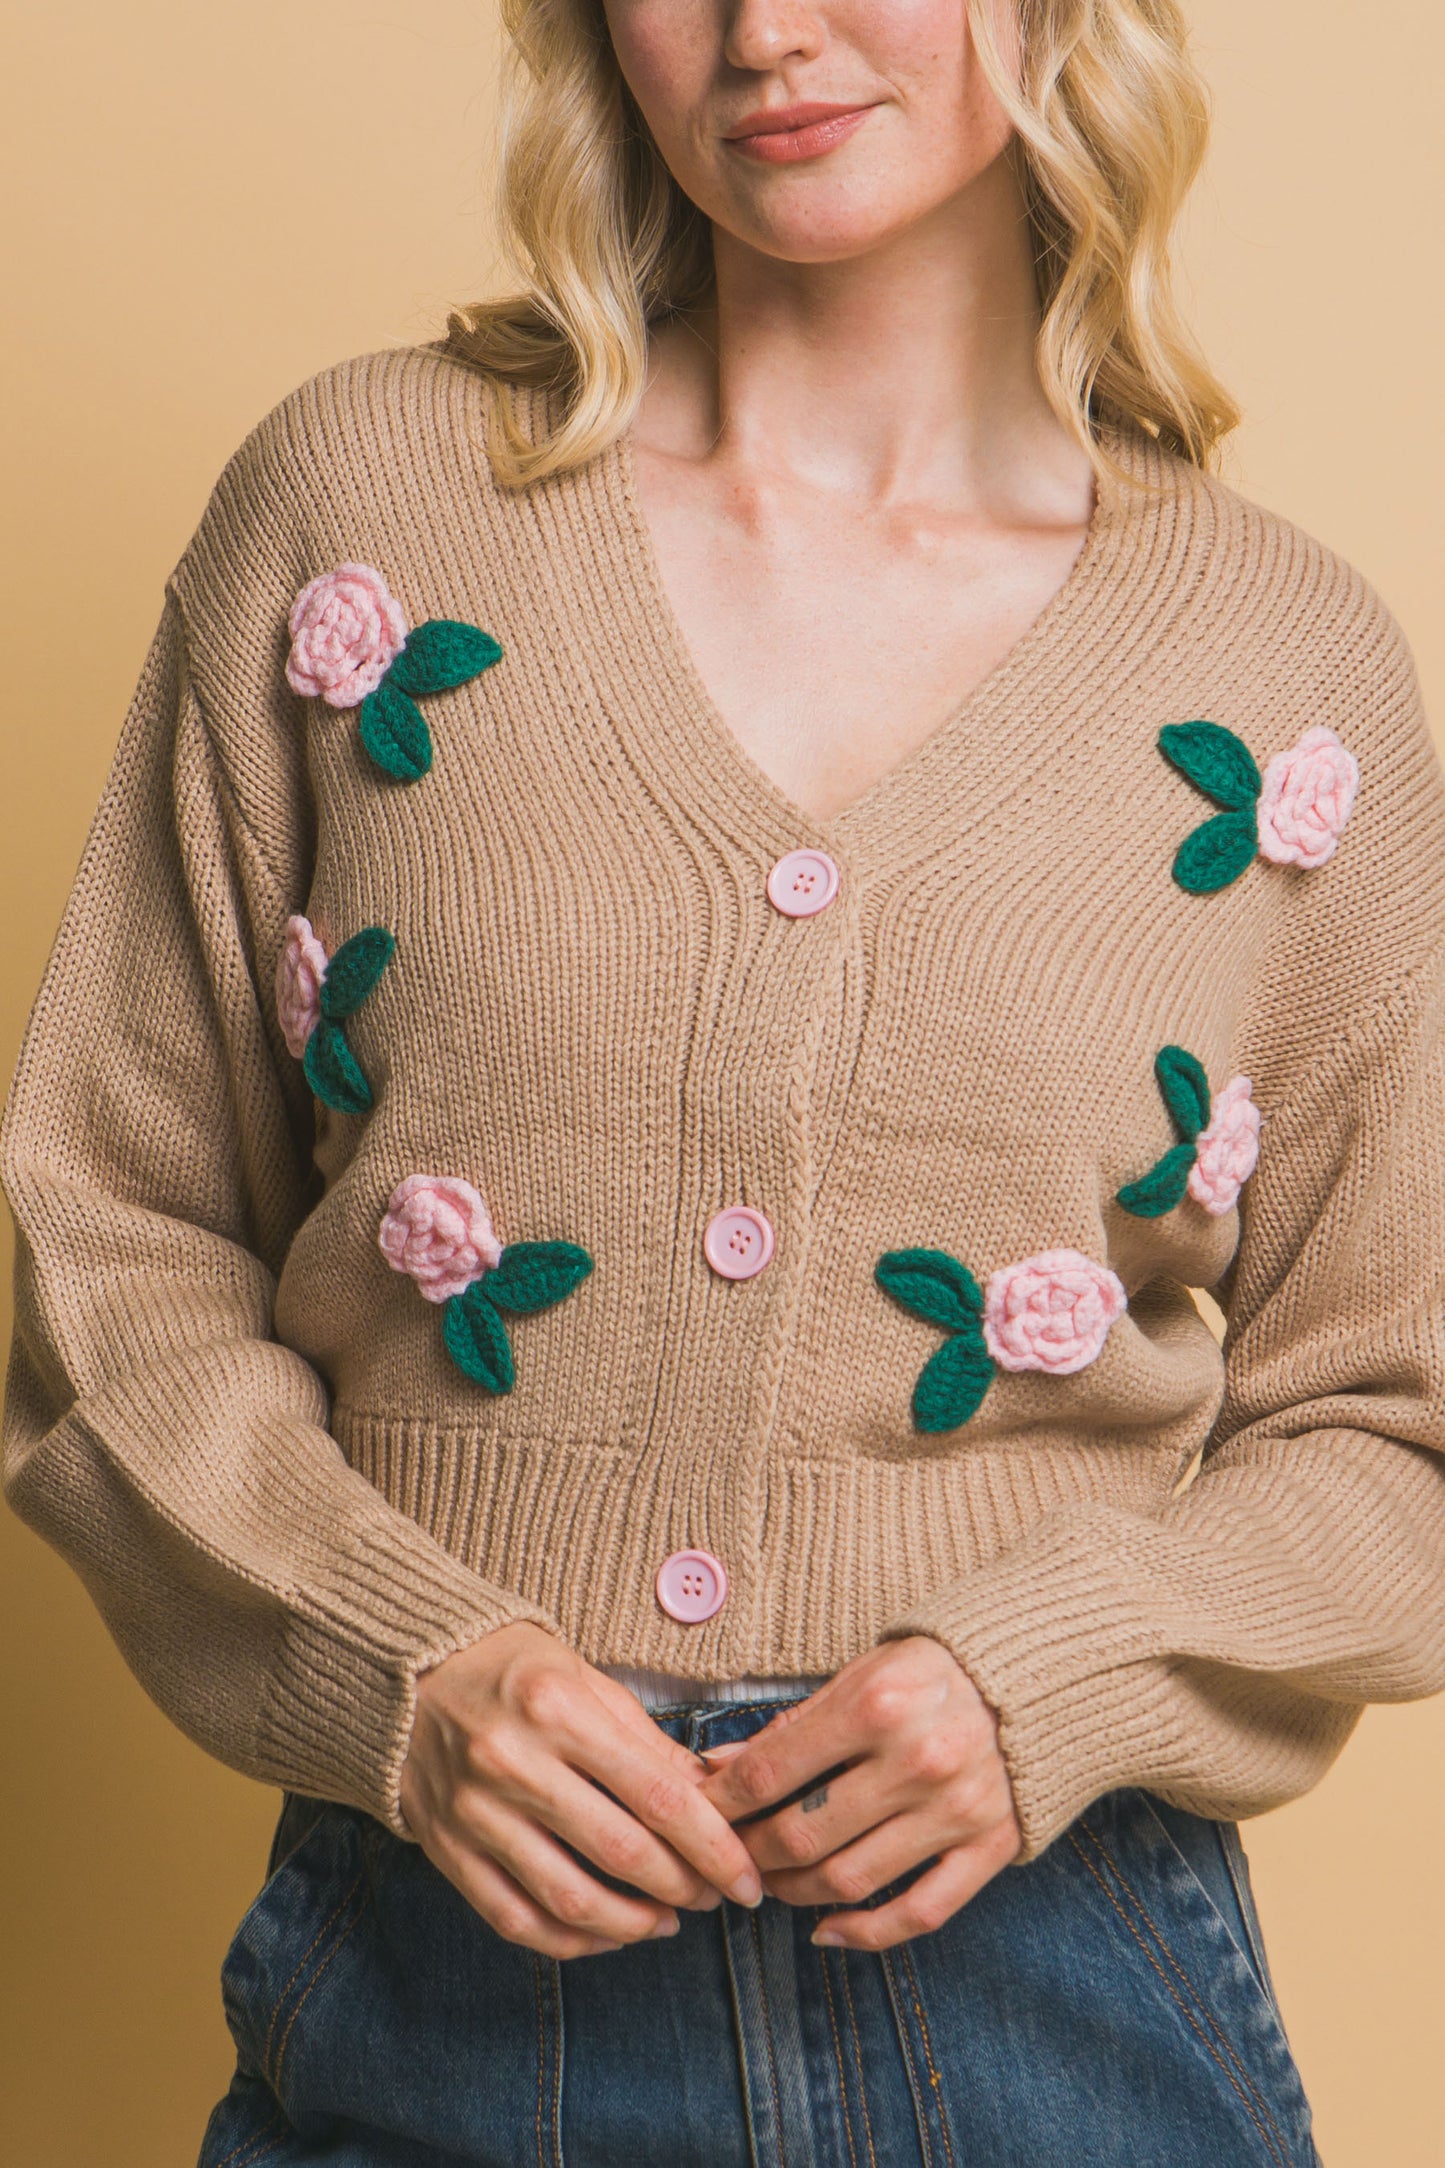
1220	1654
155	1150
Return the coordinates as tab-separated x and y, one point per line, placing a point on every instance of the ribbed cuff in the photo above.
342	1697
1055	1638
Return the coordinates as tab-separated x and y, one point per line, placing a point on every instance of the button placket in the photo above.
738	1243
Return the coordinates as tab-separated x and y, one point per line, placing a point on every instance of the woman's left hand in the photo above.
901	1752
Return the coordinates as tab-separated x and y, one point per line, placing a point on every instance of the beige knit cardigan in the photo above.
244	1427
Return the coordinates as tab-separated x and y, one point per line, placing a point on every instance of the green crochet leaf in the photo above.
476	1338
354	970
1212	856
442	653
1163	1187
1215	761
932	1284
333	1071
393	730
1185	1088
534	1275
952	1382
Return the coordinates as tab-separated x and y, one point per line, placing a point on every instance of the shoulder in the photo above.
1266	630
366	458
363	427
370	459
1281	610
1257	624
383	405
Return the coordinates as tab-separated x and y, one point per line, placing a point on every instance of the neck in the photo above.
905	373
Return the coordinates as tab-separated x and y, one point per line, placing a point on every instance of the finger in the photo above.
555	1881
847	1873
794	1749
840	1809
657	1779
630	1711
959	1874
506	1907
697	1894
624	1705
614	1839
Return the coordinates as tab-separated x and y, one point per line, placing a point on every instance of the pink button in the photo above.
737	1242
691	1585
802	882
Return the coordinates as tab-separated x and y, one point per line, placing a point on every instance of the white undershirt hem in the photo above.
662	1689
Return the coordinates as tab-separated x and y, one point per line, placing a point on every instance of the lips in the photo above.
796	135
787	118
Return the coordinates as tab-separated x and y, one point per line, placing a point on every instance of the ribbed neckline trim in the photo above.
675	733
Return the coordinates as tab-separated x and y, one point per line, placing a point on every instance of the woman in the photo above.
720	890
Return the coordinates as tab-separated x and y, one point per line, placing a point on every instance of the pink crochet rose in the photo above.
1306	799
438	1229
1051	1312
300	968
1227	1149
347	630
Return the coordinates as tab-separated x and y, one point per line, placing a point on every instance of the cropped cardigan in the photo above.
480	1152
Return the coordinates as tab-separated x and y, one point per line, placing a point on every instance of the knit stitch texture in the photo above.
241	1425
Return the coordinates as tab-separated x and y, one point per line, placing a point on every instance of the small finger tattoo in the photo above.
811	1801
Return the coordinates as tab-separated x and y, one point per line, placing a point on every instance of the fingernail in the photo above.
825	1938
668	1926
729	1746
747	1890
598	1948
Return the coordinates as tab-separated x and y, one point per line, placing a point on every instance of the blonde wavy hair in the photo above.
1110	119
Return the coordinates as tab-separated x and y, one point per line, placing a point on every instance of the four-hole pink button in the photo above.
691	1585
737	1242
803	882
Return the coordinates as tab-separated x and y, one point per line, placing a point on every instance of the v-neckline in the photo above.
714	741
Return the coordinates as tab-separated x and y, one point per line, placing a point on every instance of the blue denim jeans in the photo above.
1106	2006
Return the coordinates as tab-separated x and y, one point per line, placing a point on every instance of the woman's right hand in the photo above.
506	1735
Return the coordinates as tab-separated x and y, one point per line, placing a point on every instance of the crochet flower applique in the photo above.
1050	1312
438	1230
314	996
1218	1141
350	646
1293	814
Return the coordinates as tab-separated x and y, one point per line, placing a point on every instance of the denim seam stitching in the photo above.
768	2030
1253	1953
559	2043
1215	2027
838	2058
907	2050
269	2147
740	2030
349	1929
541	2051
233	2158
316	1940
1186	2013
857	2056
933	2078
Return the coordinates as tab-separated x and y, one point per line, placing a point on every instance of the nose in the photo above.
763	33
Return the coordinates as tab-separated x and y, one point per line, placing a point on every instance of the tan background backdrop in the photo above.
206	205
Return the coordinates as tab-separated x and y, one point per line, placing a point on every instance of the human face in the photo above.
886	115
